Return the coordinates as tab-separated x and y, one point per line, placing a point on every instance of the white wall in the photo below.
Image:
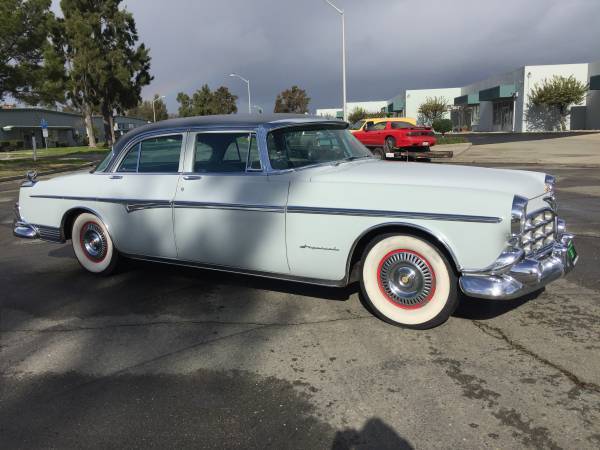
593	101
536	75
416	97
327	112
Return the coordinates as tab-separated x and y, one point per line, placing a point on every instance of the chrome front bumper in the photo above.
23	229
524	275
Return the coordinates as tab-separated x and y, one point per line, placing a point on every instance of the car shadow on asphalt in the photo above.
484	309
153	270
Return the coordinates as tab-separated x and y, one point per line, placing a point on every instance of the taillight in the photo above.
413	133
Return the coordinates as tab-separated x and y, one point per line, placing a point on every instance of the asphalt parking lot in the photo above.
160	356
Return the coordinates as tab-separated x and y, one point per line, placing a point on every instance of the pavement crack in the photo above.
497	333
59	329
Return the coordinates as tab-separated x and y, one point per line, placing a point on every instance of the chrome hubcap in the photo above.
406	279
93	241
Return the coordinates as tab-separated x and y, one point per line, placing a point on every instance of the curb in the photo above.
50	172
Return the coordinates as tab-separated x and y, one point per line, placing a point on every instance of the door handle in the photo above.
116	177
192	177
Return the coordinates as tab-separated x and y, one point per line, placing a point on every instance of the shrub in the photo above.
442	125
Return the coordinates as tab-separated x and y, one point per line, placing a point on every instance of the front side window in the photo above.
225	152
379	126
154	155
303	146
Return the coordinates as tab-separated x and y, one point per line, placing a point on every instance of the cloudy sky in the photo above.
391	44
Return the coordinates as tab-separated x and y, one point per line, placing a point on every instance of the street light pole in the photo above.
153	108
248	83
341	13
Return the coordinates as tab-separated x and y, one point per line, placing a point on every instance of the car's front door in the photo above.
227	210
378	134
137	197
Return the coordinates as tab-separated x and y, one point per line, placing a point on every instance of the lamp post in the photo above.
248	83
341	13
153	108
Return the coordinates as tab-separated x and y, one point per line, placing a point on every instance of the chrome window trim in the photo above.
188	167
116	162
392	214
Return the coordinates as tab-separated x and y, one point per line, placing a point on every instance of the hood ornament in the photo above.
31	178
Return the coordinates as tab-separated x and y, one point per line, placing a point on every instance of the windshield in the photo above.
304	146
357	125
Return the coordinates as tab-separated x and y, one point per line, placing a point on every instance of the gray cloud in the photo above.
392	44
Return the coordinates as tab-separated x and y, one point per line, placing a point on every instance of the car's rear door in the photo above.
136	198
227	210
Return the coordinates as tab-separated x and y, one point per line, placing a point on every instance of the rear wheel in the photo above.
408	282
93	245
390	144
378	153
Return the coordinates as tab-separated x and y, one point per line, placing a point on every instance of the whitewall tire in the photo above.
408	282
92	244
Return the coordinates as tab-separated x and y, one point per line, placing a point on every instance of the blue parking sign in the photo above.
44	123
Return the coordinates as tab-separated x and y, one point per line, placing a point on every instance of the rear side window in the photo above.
225	152
154	155
399	125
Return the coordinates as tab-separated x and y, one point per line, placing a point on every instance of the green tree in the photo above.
24	31
293	100
431	109
205	102
144	110
442	125
559	93
359	113
96	42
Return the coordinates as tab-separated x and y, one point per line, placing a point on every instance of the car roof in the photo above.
223	121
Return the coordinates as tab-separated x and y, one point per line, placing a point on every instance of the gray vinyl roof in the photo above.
223	121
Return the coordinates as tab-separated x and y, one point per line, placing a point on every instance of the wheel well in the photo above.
364	241
69	218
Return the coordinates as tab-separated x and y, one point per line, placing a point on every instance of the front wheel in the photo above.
92	245
408	282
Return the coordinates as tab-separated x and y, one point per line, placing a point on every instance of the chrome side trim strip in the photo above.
236	270
229	206
392	214
138	204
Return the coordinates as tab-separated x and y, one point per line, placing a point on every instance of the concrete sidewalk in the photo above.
582	150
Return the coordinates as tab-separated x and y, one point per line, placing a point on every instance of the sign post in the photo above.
44	126
34	145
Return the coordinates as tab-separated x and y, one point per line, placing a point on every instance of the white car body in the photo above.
309	224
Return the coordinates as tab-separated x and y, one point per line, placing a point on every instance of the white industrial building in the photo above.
501	102
370	107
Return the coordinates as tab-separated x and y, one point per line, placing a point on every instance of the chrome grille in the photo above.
539	232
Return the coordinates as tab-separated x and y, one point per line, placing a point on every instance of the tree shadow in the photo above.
375	434
542	118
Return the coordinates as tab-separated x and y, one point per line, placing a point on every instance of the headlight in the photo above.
518	215
549	183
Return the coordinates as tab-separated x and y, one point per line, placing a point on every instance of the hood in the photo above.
515	182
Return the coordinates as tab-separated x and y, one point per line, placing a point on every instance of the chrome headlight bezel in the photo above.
518	215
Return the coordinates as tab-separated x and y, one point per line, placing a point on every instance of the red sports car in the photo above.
395	136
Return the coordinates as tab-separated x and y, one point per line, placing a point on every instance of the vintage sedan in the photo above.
299	198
